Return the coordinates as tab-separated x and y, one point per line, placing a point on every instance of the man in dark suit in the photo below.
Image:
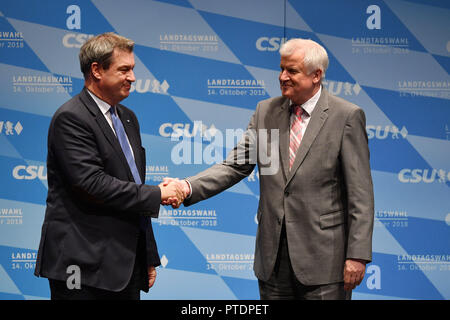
316	207
97	230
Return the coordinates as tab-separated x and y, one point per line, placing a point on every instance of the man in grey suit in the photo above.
316	209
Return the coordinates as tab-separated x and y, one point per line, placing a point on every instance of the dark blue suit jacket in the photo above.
93	204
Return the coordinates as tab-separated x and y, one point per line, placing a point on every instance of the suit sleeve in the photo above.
239	164
75	148
358	183
152	249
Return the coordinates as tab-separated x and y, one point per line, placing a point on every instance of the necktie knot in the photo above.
298	111
113	110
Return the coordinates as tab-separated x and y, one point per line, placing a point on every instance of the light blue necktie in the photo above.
122	136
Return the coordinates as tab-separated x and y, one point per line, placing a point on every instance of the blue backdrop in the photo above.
201	68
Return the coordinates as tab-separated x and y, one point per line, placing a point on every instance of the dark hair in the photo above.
100	49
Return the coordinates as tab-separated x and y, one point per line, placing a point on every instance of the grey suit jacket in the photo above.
326	199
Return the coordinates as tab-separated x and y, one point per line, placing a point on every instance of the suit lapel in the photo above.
318	118
106	129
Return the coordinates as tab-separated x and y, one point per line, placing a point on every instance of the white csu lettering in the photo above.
74	280
75	40
176	130
269	44
374	20
425	175
22	172
74	20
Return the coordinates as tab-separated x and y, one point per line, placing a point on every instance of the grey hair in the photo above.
316	57
100	49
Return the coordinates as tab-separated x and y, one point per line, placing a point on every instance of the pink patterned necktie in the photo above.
295	135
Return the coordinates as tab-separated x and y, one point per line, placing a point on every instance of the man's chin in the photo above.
125	94
285	93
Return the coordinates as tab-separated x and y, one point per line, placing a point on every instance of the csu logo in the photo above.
380	132
423	175
149	85
374	20
342	88
22	172
176	130
75	40
269	44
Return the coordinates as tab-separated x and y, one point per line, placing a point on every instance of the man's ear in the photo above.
317	76
96	71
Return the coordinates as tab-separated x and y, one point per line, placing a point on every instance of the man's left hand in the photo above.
151	276
354	270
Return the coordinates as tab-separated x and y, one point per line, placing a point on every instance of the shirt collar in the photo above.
104	106
309	105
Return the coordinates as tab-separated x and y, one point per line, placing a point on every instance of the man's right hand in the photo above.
171	193
184	187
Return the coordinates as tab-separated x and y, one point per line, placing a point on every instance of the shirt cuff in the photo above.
190	189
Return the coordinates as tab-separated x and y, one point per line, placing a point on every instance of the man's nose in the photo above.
284	76
131	76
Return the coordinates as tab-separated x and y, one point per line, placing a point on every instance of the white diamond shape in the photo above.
212	130
404	132
164	261
356	88
18	128
165	86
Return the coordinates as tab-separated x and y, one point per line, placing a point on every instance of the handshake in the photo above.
174	191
